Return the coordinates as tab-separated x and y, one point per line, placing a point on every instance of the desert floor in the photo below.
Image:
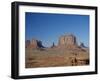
51	57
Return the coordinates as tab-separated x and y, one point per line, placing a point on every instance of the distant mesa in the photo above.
34	44
65	41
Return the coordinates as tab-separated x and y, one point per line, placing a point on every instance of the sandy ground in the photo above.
52	57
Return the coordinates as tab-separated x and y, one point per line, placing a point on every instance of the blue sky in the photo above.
49	27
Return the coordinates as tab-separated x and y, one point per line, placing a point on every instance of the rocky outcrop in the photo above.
34	43
67	41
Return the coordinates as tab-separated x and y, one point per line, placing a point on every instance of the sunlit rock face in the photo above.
67	41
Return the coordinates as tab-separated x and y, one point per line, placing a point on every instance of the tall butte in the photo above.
68	41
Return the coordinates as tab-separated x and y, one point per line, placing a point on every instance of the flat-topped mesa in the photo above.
33	43
67	41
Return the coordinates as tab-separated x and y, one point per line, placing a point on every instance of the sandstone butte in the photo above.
68	41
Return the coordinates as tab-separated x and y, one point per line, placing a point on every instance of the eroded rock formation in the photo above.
68	41
65	41
34	43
